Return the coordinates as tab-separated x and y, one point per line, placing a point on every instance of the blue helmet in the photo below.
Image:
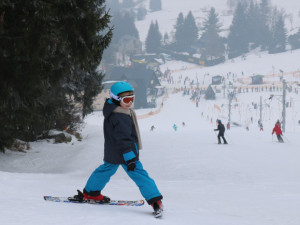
118	88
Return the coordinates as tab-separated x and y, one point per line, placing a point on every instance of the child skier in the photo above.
221	130
278	132
228	126
175	127
260	125
121	147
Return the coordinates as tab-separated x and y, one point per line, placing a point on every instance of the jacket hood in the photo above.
108	108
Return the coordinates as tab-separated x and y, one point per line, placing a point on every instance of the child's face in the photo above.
123	105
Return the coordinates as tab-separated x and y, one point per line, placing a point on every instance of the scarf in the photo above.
132	114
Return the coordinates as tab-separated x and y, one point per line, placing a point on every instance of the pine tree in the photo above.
179	27
253	25
237	38
155	5
49	54
294	40
264	35
190	30
166	39
279	34
141	13
123	24
153	40
212	44
232	4
186	31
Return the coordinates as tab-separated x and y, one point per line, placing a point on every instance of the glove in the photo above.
215	129
131	165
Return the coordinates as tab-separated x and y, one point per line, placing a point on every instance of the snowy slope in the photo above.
252	181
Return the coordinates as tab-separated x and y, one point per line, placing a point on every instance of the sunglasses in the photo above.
127	99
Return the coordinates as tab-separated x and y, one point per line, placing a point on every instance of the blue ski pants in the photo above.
101	176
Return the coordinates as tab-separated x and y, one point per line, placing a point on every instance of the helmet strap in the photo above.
113	96
115	99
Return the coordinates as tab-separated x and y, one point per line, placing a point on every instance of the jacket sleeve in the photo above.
123	136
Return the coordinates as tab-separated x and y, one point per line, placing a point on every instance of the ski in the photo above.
112	202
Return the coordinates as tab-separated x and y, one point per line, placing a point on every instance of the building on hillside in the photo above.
257	79
151	61
216	80
210	93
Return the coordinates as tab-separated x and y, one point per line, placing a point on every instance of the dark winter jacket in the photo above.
221	128
120	136
277	130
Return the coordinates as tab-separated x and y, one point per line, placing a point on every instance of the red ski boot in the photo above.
158	208
95	196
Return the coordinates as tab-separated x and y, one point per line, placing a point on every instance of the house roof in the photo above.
218	76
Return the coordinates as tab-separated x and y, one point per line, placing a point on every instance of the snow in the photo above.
167	17
252	181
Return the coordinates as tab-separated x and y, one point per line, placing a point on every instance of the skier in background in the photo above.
152	128
278	132
175	127
228	126
221	130
260	125
278	123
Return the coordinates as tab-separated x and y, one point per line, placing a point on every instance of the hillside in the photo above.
171	8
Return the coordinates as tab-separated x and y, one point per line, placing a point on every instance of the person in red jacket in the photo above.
278	132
